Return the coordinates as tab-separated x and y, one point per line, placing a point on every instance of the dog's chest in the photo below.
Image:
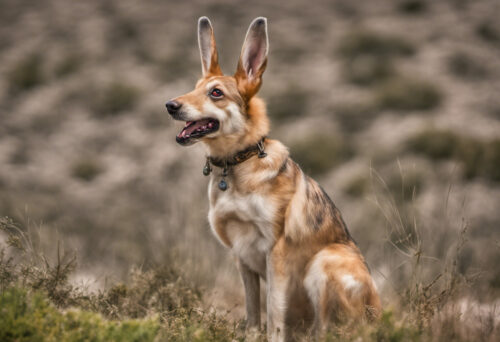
244	223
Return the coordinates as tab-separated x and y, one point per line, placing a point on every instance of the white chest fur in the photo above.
248	227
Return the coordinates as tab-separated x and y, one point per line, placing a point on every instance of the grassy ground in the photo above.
161	303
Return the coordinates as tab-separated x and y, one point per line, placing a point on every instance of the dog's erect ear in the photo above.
208	50
253	58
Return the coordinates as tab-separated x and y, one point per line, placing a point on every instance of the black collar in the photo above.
240	156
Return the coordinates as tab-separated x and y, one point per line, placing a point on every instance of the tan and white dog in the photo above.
279	223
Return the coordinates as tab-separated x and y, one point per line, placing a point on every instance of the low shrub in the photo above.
402	93
478	158
176	66
362	43
466	67
491	161
68	65
355	116
406	186
390	330
487	31
319	153
29	316
86	169
124	29
38	302
368	70
26	74
288	104
160	304
436	144
115	99
412	6
160	290
357	186
368	56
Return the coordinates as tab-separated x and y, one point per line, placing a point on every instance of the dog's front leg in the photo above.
276	301
251	283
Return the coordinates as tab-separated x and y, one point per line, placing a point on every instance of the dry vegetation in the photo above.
392	105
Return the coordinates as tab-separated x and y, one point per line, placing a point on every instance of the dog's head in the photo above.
223	111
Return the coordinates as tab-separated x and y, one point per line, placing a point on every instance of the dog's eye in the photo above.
216	93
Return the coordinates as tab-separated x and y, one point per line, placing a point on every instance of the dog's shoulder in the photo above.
312	215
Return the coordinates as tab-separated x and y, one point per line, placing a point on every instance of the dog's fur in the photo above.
279	223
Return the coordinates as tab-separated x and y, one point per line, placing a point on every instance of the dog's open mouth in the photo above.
196	129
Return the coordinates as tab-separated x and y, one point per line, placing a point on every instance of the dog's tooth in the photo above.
210	125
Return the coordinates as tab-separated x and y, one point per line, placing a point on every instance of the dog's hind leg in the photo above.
340	287
251	282
315	284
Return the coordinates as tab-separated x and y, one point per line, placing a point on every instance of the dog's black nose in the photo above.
173	107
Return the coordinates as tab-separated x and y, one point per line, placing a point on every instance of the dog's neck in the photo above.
224	147
241	156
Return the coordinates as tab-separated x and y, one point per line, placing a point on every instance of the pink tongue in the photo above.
193	127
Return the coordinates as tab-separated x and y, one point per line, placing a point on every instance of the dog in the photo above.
278	222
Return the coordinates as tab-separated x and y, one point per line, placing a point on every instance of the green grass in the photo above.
389	329
38	303
29	316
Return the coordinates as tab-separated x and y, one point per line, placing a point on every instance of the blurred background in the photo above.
392	105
